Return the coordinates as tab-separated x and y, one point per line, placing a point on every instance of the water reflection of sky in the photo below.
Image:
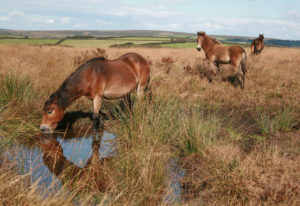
79	150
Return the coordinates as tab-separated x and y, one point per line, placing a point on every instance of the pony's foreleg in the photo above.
212	67
218	70
96	116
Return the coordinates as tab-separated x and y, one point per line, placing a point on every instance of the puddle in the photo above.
38	160
46	159
175	174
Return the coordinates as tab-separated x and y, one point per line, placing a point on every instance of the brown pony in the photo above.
97	79
217	54
257	45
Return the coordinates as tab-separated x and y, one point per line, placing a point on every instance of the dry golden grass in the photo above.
237	146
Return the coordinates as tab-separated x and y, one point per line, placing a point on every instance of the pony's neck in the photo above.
68	93
207	43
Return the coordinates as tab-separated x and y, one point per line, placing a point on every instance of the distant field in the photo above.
166	42
28	41
105	43
160	39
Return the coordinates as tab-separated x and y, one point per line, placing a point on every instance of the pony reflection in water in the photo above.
217	54
94	171
97	79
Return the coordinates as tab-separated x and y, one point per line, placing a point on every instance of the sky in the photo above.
273	18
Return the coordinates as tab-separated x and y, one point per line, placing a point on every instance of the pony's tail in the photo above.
243	63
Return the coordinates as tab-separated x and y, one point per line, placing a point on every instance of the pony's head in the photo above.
200	38
261	36
53	112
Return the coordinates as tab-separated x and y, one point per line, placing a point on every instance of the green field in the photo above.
165	42
28	41
105	43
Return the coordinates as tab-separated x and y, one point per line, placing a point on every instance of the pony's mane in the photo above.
214	40
88	62
62	100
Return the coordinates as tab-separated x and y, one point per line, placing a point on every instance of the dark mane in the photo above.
61	100
89	62
214	40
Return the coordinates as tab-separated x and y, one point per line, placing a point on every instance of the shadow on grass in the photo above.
232	79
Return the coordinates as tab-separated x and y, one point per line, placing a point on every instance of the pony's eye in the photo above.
50	111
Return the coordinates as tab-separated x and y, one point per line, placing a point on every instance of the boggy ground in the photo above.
237	147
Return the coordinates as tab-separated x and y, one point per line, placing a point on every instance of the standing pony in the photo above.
257	45
97	79
217	54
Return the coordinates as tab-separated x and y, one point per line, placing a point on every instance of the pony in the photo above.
257	45
97	79
217	54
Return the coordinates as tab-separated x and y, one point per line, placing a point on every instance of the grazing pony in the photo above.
97	79
217	54
257	45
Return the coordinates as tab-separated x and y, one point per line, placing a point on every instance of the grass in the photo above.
283	120
14	89
180	45
237	147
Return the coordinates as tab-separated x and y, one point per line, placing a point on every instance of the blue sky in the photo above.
273	18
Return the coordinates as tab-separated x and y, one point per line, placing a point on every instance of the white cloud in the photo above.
104	22
16	13
292	14
139	12
65	20
209	25
4	18
50	21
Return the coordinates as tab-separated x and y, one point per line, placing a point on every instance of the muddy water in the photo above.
38	161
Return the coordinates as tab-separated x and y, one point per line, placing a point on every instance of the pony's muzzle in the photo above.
45	128
199	48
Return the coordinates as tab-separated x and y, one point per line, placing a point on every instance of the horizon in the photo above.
246	18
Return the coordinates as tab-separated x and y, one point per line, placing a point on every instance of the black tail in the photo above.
243	63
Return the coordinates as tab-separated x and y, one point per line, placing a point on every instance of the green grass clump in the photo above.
14	89
199	130
18	117
281	120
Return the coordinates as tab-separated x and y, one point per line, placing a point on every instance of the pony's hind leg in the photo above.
240	76
126	103
96	116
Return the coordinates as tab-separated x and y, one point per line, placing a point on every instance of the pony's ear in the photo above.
201	33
